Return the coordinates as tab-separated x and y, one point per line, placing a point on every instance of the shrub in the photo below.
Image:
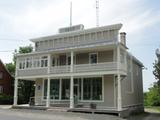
6	99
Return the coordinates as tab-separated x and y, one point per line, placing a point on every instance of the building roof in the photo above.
79	32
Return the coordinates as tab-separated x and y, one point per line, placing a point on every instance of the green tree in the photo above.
25	87
156	71
152	98
11	68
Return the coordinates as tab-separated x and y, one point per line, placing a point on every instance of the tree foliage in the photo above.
156	71
25	87
11	68
152	98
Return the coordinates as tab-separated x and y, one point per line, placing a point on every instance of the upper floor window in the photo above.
37	45
36	62
93	58
1	75
28	62
21	64
68	60
44	61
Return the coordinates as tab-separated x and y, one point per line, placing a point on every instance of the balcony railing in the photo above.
108	66
60	69
80	68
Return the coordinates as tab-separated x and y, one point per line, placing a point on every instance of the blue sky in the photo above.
21	20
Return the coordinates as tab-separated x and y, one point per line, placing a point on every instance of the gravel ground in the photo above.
19	114
22	114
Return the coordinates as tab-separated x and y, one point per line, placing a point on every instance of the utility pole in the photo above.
97	13
70	13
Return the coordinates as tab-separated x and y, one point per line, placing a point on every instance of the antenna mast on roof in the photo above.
97	13
70	13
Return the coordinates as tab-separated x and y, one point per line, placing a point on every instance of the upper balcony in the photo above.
78	38
60	64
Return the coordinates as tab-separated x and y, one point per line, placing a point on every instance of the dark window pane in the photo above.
65	89
54	89
45	89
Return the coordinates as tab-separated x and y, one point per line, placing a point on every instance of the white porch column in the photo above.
15	91
119	96
71	83
48	93
71	93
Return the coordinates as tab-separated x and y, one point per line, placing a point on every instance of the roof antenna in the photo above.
97	13
70	13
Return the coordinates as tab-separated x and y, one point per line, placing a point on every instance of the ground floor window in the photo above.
45	89
65	89
92	89
84	89
54	88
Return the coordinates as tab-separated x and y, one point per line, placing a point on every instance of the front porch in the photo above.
76	92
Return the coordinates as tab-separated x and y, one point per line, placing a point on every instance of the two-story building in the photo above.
78	66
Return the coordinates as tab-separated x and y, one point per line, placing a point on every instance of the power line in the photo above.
7	51
13	40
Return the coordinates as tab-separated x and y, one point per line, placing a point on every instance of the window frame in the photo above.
90	54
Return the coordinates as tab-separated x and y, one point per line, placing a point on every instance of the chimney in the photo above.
123	38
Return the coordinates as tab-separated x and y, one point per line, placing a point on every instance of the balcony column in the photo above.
48	93
119	96
71	83
49	63
72	55
15	91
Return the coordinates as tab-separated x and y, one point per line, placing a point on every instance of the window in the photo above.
28	62
65	89
37	45
36	62
44	61
53	61
45	89
22	64
1	75
93	58
92	88
1	89
68	60
54	89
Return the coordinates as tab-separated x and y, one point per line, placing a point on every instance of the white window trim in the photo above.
90	57
102	91
32	60
80	100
